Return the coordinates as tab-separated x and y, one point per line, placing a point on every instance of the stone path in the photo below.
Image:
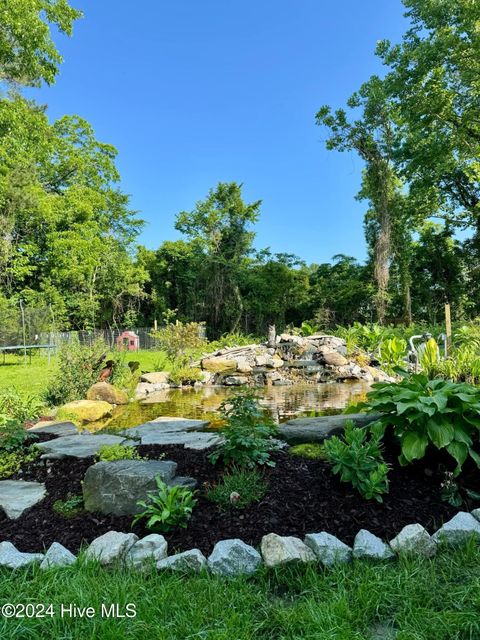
56	429
16	496
179	431
82	445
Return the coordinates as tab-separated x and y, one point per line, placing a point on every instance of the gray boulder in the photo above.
233	558
459	530
280	550
112	547
56	429
16	496
366	545
318	429
192	561
414	540
116	487
12	558
57	556
82	445
328	549
151	548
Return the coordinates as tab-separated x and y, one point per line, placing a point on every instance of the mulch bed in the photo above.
303	496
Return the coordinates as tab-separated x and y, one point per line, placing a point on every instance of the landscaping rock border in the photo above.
234	557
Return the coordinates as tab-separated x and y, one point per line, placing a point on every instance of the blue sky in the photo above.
196	92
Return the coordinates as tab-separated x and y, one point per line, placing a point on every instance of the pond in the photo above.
283	403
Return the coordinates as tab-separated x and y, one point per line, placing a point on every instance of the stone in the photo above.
328	549
12	558
57	556
461	528
192	561
476	514
275	362
217	364
156	377
151	548
107	392
56	429
116	487
112	547
162	425
147	389
183	481
84	411
16	496
233	558
280	550
82	445
333	358
243	365
415	540
301	430
175	431
235	381
367	545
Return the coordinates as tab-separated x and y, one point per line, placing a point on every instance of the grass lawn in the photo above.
435	599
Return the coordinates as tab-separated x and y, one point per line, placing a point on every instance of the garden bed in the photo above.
303	496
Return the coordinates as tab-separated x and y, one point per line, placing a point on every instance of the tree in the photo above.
28	54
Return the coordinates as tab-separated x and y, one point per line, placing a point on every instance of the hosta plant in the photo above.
426	412
169	507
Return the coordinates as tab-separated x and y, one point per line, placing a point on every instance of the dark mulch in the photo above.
303	496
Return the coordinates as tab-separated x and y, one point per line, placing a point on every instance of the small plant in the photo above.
70	507
170	507
238	489
184	374
313	451
109	453
247	434
450	491
392	353
12	461
19	406
357	458
12	434
178	339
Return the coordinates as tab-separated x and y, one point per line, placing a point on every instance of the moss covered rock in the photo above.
83	411
107	392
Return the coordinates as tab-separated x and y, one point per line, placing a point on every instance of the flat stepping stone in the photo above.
57	429
16	496
196	440
174	431
82	445
165	424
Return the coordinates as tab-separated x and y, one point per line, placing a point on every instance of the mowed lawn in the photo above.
435	599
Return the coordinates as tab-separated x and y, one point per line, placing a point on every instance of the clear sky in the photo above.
193	92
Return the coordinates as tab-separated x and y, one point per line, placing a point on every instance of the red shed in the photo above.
128	341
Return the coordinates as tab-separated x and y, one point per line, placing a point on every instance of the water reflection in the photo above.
283	403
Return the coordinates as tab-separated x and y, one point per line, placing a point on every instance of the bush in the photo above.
184	374
313	451
12	461
247	434
109	453
178	339
70	507
427	412
12	434
238	489
170	507
19	406
357	458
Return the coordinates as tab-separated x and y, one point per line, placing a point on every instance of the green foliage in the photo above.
18	406
184	374
309	450
427	412
248	486
392	352
357	458
109	453
13	459
170	507
78	368
12	434
179	339
247	435
69	508
430	357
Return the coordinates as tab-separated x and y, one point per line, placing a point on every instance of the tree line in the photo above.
68	235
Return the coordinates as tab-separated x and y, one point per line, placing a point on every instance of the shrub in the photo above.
177	339
170	507
184	374
427	412
357	458
12	434
70	507
247	434
109	453
12	461
246	485
21	407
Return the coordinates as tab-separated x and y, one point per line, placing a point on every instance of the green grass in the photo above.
250	484
435	599
311	450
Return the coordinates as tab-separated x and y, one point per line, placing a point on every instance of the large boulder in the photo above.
16	496
156	377
84	411
107	392
219	364
116	487
300	430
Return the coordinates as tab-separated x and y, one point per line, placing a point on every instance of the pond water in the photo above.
283	403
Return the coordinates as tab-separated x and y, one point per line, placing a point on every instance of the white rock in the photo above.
414	539
111	547
153	547
367	545
12	558
280	550
57	556
459	529
233	558
192	561
328	549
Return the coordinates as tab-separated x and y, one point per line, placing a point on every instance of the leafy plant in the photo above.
357	458
177	339
313	451
391	353
170	507
109	453
70	507
429	358
21	407
13	460
247	434
12	433
427	412
184	374
238	489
